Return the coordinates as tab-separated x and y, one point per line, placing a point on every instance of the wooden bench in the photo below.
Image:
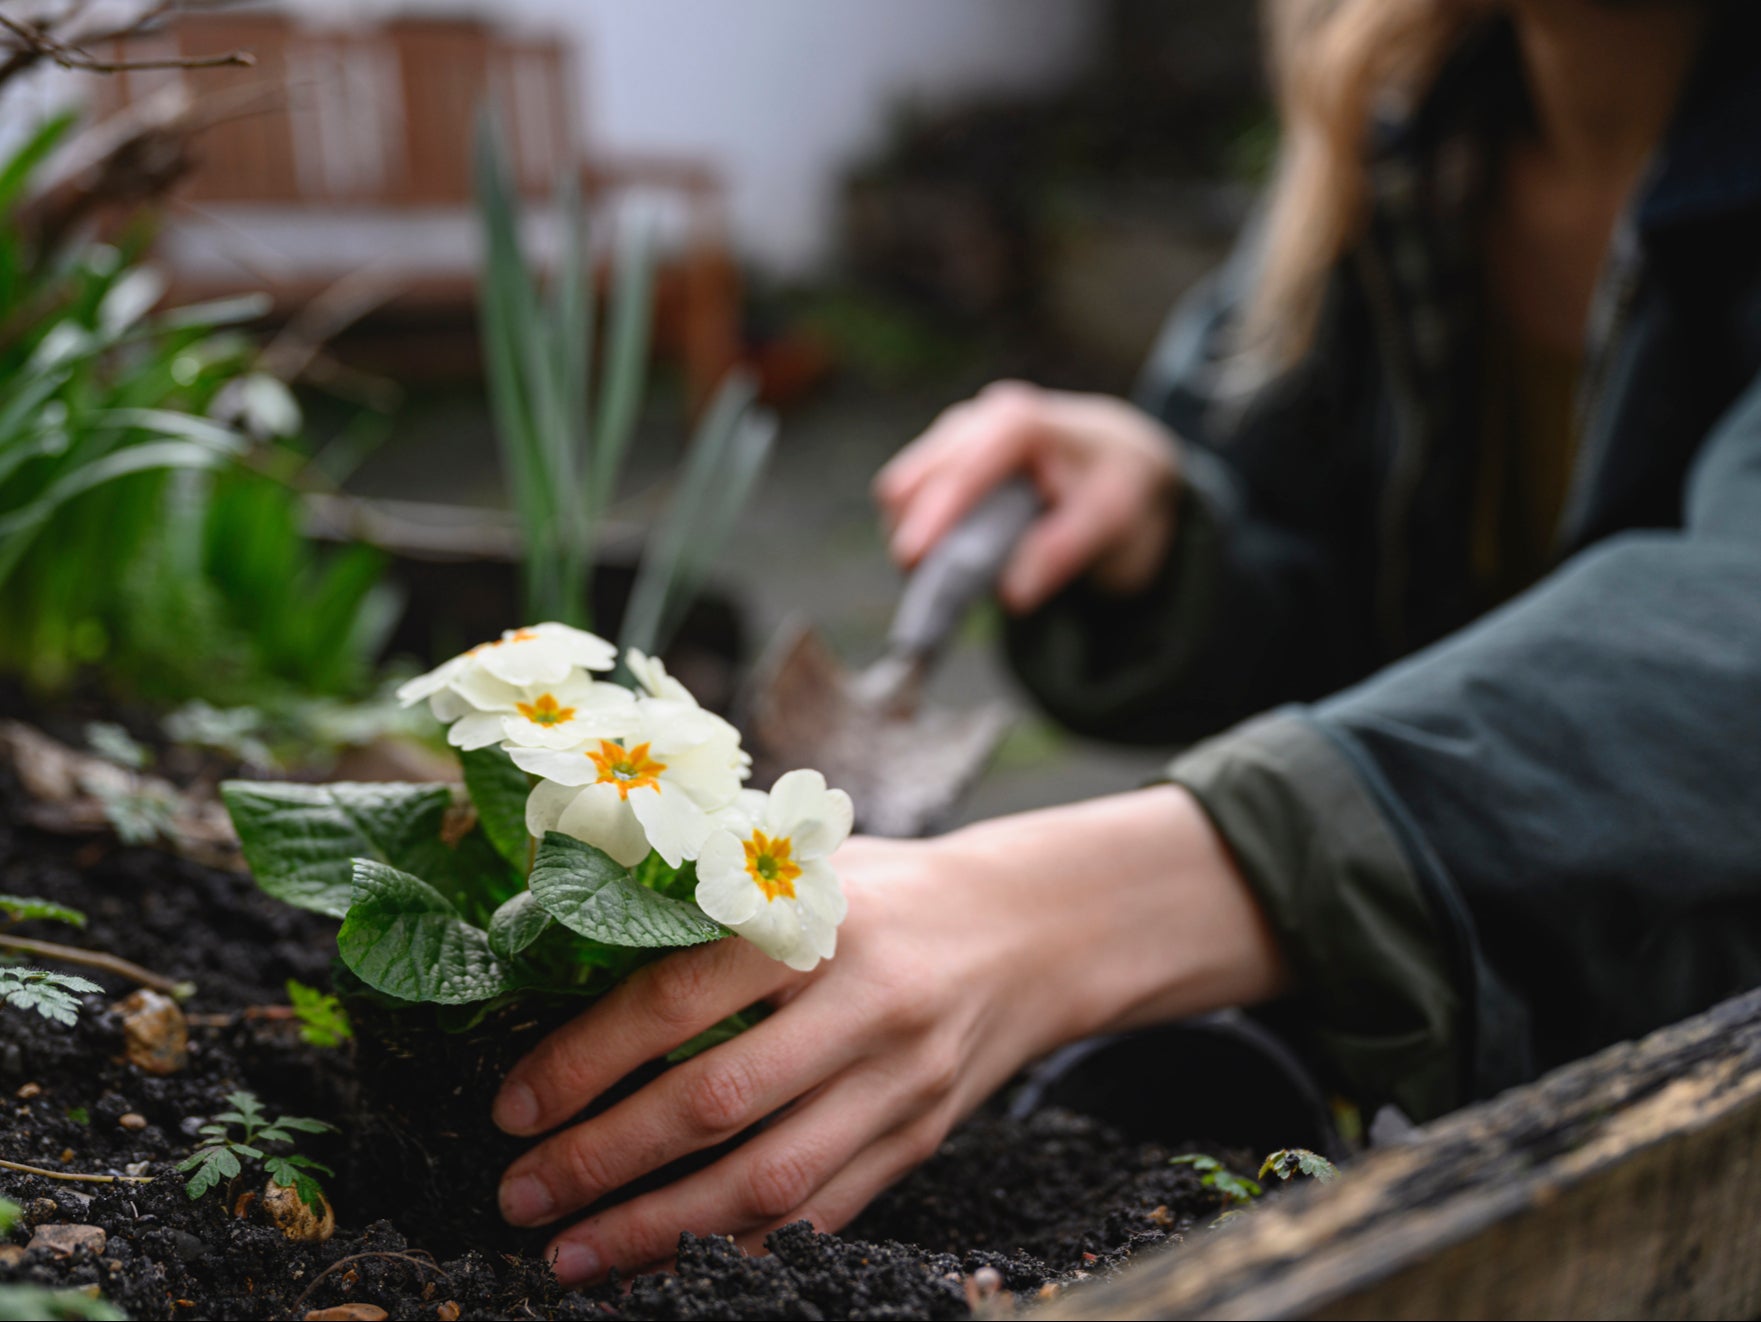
345	150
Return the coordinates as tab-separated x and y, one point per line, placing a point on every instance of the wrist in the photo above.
1130	911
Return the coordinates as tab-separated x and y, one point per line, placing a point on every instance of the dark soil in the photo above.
1044	1202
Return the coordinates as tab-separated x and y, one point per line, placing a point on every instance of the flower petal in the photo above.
602	819
565	767
724	891
545	806
676	826
479	729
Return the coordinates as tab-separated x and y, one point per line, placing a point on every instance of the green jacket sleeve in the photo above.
1574	785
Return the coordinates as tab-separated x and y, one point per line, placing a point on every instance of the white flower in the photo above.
651	674
564	715
654	786
765	873
541	654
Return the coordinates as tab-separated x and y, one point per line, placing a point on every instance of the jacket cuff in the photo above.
1104	665
1376	988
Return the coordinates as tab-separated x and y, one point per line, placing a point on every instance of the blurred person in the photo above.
1455	470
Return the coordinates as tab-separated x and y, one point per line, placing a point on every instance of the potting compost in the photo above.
1009	1210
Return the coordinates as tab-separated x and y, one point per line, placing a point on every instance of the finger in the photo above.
760	1184
652	1011
996	442
843	1197
704	1101
1066	541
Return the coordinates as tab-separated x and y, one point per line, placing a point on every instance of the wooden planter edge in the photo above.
1627	1184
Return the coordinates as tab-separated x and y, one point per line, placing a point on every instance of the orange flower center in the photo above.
627	768
545	711
771	864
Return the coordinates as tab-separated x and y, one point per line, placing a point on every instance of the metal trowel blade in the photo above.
905	766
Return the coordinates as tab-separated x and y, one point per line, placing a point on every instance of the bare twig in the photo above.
36	43
93	959
74	1176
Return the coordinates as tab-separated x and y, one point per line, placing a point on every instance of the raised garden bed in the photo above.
1043	1203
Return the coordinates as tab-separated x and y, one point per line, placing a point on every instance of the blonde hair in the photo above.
1332	63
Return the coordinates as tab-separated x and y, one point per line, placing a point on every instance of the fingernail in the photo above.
516	1108
574	1263
526	1201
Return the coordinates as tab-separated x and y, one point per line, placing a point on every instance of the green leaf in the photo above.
303	1125
1286	1162
323	1021
516	925
301	840
404	938
584	890
211	1165
500	790
21	908
53	995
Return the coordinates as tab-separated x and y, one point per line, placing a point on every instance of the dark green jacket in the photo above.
1487	845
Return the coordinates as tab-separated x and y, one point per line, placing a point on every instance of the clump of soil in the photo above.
1043	1202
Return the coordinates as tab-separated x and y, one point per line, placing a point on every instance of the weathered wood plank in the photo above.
1627	1184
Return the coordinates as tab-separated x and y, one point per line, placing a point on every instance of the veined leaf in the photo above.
500	789
584	890
301	840
516	925
404	938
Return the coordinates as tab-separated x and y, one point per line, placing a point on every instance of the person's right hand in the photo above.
1108	472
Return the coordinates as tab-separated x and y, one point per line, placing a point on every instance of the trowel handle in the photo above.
961	568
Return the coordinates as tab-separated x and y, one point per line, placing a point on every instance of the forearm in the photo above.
1143	914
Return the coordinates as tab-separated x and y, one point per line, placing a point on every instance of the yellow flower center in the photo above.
626	768
545	711
771	864
518	636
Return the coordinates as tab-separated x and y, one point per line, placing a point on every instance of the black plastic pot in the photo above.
1223	1078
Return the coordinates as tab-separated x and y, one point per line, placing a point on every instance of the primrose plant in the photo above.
606	823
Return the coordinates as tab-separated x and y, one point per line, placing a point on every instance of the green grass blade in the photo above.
727	453
32	152
625	370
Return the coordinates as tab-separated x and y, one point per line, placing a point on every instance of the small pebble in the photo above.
157	1035
28	1090
136	1168
132	1120
447	1312
187	1246
348	1313
64	1240
11	1254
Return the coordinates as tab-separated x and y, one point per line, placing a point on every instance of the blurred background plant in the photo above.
151	478
564	436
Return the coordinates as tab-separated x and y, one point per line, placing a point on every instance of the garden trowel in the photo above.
905	765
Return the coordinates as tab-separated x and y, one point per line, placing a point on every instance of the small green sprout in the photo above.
1213	1174
115	744
53	995
140	815
323	1021
1287	1162
220	1156
79	1115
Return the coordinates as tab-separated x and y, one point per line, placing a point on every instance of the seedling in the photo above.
53	995
323	1021
221	1156
1286	1163
1213	1174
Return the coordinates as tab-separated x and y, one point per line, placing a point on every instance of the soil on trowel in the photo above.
1016	1208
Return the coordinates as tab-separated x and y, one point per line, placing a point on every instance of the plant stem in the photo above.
95	959
71	1175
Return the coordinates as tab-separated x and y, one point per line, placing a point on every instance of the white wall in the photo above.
781	95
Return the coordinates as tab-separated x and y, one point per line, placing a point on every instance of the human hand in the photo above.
1107	471
961	959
